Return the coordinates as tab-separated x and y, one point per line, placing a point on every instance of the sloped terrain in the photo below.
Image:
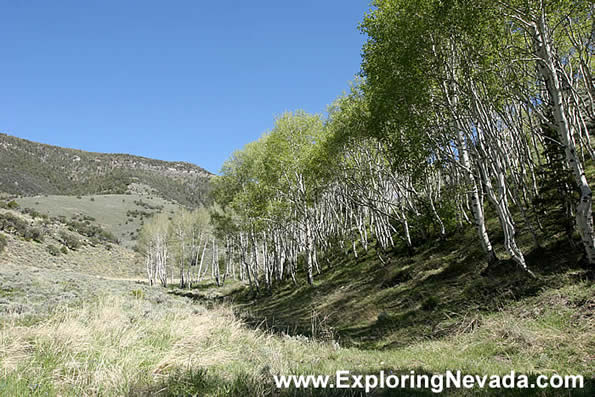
29	168
84	322
441	289
121	214
85	255
441	308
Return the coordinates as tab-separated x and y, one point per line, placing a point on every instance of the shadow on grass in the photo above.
203	286
416	295
201	382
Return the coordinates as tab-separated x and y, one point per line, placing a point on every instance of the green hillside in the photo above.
121	214
54	244
30	168
437	309
432	295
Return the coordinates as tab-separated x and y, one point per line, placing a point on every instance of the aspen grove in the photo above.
464	111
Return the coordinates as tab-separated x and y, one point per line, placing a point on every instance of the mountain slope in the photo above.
120	214
29	168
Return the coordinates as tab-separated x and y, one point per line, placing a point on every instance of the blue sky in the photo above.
174	80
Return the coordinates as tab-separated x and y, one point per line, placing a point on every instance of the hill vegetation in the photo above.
55	244
30	168
121	215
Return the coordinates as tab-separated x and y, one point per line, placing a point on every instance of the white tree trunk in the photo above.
547	68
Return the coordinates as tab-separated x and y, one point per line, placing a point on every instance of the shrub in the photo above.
70	240
34	213
12	205
13	224
53	250
64	250
148	206
92	231
134	213
384	318
34	233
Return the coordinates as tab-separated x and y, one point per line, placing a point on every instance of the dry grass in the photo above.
120	345
103	346
117	345
67	332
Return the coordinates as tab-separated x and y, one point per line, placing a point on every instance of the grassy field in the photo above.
441	308
119	214
79	324
120	338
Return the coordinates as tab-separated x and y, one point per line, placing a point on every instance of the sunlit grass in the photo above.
121	345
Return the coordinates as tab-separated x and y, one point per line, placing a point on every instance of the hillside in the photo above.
438	307
39	255
58	243
29	168
442	294
123	215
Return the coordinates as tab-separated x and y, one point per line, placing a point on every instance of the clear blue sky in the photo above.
174	80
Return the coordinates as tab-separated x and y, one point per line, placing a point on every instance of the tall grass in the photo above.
134	345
